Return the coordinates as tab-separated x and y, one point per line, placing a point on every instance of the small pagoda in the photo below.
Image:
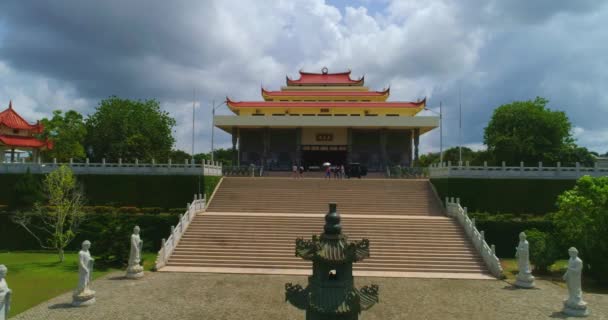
331	293
15	133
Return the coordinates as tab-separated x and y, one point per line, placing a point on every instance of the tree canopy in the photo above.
453	155
67	131
128	129
528	131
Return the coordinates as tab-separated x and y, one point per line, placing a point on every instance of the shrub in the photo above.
151	210
582	222
177	211
543	251
502	230
129	210
112	247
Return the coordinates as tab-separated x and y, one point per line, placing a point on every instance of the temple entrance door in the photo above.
315	155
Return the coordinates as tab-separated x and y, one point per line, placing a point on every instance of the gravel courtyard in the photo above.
217	296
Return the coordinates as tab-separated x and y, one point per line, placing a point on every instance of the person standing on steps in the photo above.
342	171
301	171
294	171
328	172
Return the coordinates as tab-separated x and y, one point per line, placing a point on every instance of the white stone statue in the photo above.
524	279
83	295
5	294
574	305
134	269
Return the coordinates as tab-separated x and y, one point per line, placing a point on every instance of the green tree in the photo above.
543	251
67	131
582	221
128	129
453	155
179	156
55	225
528	131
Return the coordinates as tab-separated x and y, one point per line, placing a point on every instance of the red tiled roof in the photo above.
325	78
329	104
24	142
326	93
13	120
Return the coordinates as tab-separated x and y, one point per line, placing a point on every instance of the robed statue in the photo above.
525	279
5	294
574	305
83	295
134	269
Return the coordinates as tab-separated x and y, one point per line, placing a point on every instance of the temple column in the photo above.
234	140
383	153
12	155
416	141
266	144
349	147
298	159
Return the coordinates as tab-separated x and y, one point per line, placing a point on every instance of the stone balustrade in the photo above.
168	245
120	167
487	252
447	170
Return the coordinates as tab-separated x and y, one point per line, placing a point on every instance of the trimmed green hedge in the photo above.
127	190
153	229
504	195
505	234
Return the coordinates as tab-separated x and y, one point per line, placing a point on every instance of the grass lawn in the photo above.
556	271
37	277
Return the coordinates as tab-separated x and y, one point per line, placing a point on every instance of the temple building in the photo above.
325	117
16	133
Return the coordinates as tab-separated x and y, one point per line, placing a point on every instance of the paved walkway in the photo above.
218	296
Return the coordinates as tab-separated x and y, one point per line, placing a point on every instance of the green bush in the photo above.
503	230
543	250
113	245
582	222
504	195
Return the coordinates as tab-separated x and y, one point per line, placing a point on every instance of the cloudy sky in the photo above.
71	54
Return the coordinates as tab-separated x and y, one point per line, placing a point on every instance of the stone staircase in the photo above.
251	225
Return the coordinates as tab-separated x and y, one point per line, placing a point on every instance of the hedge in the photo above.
153	229
505	234
127	190
504	195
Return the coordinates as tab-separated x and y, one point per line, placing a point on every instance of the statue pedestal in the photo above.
575	309
83	299
525	281
135	272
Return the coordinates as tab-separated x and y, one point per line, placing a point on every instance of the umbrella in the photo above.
326	164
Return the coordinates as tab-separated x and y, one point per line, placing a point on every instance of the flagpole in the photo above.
459	124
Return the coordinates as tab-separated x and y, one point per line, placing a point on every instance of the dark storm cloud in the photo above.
107	47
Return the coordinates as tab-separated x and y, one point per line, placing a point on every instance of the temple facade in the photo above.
16	133
325	117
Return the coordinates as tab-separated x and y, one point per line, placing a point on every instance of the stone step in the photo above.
356	268
253	224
